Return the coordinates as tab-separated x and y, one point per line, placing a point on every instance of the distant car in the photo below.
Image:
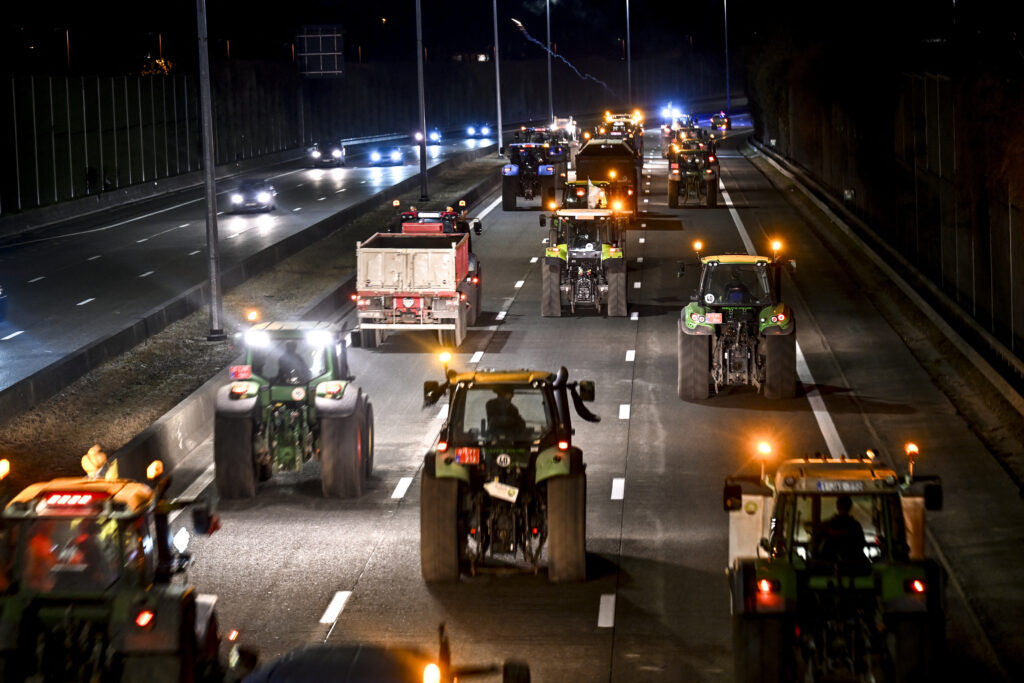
433	136
329	153
253	195
389	156
478	130
3	303
721	120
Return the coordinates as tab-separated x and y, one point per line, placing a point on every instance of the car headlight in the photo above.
418	136
257	338
236	198
396	155
374	156
435	136
336	154
485	131
316	154
471	131
263	197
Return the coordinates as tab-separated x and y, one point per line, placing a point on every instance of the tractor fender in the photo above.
236	407
445	466
552	462
614	265
341	407
510	170
171	605
746	598
688	326
788	326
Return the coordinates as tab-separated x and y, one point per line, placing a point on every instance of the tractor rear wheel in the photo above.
617	306
550	294
567	527
234	467
509	189
916	645
342	466
712	192
694	358
780	365
759	650
368	440
673	194
439	526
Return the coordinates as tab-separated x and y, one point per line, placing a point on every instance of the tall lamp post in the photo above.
629	64
423	108
728	91
551	101
497	74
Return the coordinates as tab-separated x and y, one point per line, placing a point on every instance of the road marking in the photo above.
341	190
37	279
93	258
618	488
220	213
200	483
500	316
232	236
636	285
520	283
85	301
643	225
442	413
183	225
635	315
403	486
297	208
642	240
630	355
476	357
334	609
193	253
606	612
544	241
147	273
639	259
623	411
490	207
320	199
646	200
12	335
144	239
533	260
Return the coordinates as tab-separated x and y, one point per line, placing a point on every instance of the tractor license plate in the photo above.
714	318
841	486
467	456
505	492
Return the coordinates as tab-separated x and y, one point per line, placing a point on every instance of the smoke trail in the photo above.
586	77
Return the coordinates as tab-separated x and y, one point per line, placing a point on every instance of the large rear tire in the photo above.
368	435
368	339
693	358
234	466
711	195
567	527
617	305
509	189
780	365
673	194
439	526
341	455
759	649
917	645
446	338
550	295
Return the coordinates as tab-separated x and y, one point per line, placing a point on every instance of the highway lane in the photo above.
655	606
74	283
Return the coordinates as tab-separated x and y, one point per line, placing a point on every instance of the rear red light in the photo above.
782	316
144	618
232	635
916	586
442	446
354	297
534	531
764	585
476	280
239	389
563	445
472	531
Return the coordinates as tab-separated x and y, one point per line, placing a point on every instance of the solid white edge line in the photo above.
197	486
147	273
636	285
623	411
618	488
442	413
12	335
93	258
191	253
606	611
37	279
334	609
86	301
520	283
403	486
490	207
500	316
630	355
476	357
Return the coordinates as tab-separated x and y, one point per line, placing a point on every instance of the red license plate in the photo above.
241	372
467	456
714	318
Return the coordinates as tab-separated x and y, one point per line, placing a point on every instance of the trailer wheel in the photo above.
234	467
439	526
446	338
780	365
567	527
509	189
673	194
617	306
341	455
550	295
368	339
712	192
368	440
759	649
693	358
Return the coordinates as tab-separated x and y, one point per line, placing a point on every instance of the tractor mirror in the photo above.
543	221
477	227
204	520
680	268
515	672
587	390
431	392
732	497
791	265
933	497
354	339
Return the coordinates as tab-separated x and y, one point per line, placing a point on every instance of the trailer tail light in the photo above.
144	618
475	280
630	192
70	499
232	635
535	531
462	296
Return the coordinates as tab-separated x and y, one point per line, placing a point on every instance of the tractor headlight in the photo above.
263	197
472	131
318	338
485	131
236	198
316	154
257	338
396	155
374	156
435	136
336	154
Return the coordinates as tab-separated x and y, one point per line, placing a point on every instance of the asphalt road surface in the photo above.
85	279
656	604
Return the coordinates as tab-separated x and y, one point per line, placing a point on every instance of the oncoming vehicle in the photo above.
433	136
478	130
253	195
828	574
736	330
292	401
503	477
329	153
389	156
86	583
721	120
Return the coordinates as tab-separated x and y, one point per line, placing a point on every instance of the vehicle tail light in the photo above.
472	531
354	297
462	297
232	635
563	445
476	280
535	531
332	389
431	673
239	389
781	316
442	446
916	586
144	618
767	586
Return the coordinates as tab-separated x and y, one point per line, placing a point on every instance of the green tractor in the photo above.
736	330
692	173
503	477
87	588
292	401
828	575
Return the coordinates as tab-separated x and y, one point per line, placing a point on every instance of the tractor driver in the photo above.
736	292
503	417
291	368
840	538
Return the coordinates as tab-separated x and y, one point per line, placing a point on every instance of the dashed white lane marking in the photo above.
147	273
195	488
500	316
232	236
334	609
403	486
636	285
646	200
544	241
12	335
623	411
533	260
635	315
297	208
341	190
490	207
630	355
220	213
520	283
183	225
618	488
476	357
193	253
37	279
639	259
85	301
320	199
144	239
93	258
643	225
606	612
642	240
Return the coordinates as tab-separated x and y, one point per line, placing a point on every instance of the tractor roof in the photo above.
584	214
735	259
852	476
128	495
292	328
504	377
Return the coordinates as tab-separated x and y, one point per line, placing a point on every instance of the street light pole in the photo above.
423	108
629	63
497	74
728	91
212	239
551	101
